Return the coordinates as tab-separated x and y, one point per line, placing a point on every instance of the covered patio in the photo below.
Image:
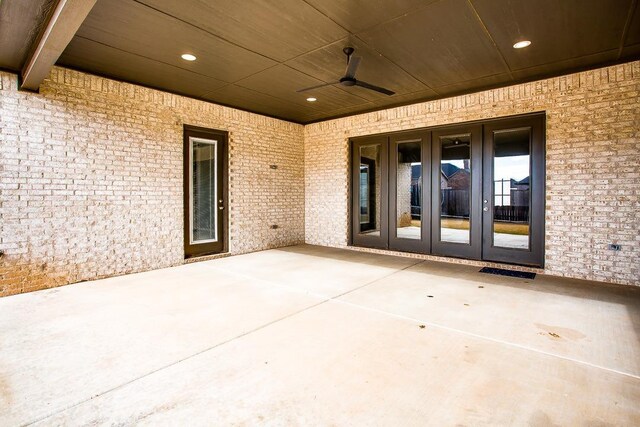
306	335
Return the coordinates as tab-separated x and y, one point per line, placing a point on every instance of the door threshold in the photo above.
208	257
448	259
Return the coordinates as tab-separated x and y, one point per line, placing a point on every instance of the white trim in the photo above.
215	189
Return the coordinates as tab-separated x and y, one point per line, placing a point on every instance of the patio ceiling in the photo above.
255	54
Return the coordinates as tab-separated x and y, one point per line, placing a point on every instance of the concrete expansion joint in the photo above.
184	359
336	299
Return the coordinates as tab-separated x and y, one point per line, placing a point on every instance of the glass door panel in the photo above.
369	189
455	190
203	212
409	191
511	189
513	193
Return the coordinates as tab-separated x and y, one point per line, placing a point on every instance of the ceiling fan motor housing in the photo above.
348	81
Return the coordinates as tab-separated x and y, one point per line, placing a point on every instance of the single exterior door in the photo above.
205	191
514	194
456	190
409	191
369	213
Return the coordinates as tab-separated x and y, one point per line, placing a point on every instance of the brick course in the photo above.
593	160
91	179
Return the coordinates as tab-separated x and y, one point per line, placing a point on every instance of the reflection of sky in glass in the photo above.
516	167
458	163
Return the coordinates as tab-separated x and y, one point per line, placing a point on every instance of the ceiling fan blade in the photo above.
315	87
376	88
352	67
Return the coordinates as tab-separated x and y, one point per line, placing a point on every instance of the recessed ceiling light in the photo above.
311	99
188	57
521	44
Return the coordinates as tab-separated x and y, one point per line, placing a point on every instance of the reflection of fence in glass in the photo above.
454	203
511	201
364	194
416	200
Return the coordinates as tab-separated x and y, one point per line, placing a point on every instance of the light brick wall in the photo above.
91	174
593	165
91	179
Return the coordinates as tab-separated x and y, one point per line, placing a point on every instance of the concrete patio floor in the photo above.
316	336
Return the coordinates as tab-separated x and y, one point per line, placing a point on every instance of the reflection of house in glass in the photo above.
511	202
454	185
520	192
452	177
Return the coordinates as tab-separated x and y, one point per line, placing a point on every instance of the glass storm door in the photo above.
369	178
455	191
513	193
205	192
409	195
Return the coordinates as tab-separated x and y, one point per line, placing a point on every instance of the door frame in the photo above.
537	166
357	238
222	166
422	245
473	250
476	250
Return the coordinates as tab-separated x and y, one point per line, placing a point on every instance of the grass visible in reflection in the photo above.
511	228
455	223
499	227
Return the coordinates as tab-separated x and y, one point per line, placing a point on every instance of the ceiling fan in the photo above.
349	78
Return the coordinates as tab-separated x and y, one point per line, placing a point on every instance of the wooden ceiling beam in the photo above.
62	24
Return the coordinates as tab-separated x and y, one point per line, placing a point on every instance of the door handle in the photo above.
221	207
486	209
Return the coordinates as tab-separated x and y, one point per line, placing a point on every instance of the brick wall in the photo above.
91	179
593	165
91	174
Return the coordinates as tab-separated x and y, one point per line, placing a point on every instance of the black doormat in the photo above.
510	273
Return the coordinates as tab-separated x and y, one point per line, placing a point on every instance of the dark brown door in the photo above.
513	193
456	191
369	213
472	191
409	191
205	191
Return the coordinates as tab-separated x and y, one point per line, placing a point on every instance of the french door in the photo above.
513	191
370	160
456	185
205	191
409	195
472	191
